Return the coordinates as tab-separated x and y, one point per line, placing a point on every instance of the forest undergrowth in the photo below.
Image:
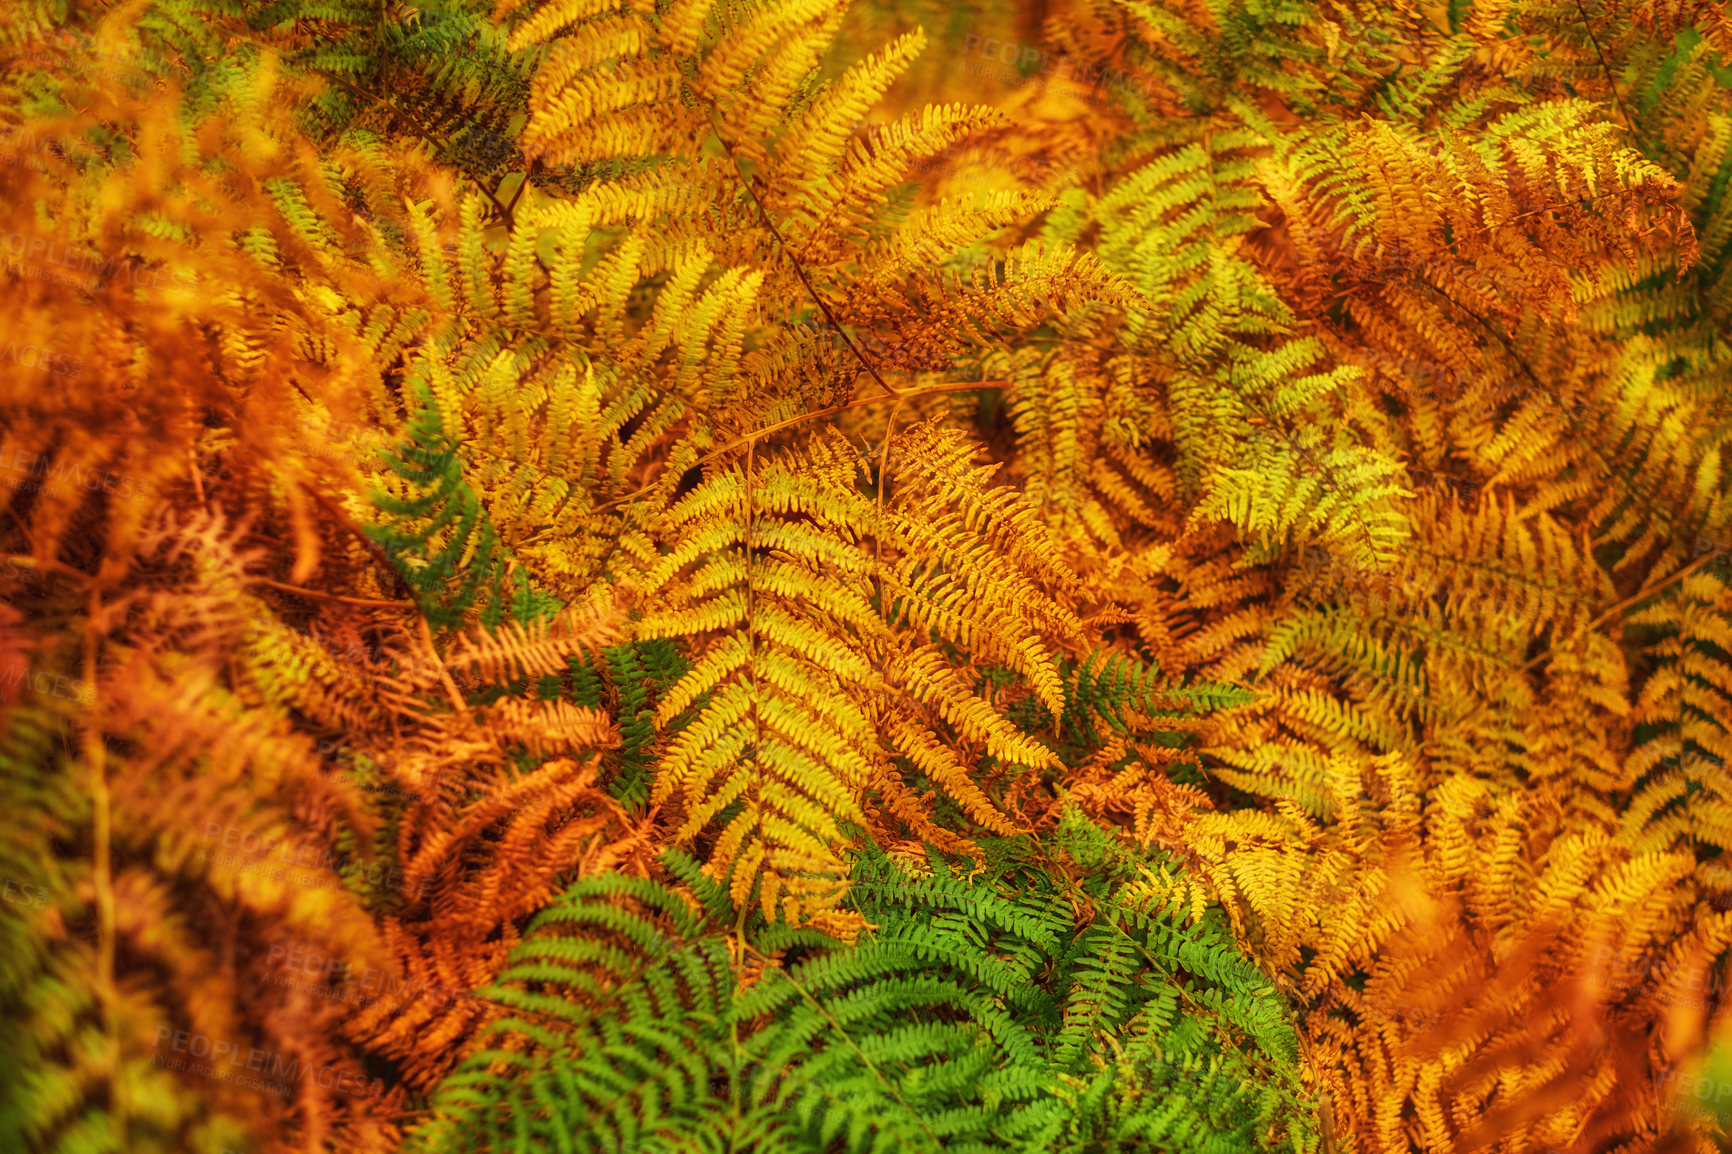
786	575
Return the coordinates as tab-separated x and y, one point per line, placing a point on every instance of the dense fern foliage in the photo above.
978	1015
638	575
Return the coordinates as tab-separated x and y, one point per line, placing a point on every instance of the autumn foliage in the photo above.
746	575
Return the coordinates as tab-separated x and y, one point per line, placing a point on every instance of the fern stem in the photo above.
46	564
451	693
750	438
102	869
1606	616
366	602
1611	81
865	1059
193	471
752	678
421	129
338	514
878	537
1635	598
781	244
